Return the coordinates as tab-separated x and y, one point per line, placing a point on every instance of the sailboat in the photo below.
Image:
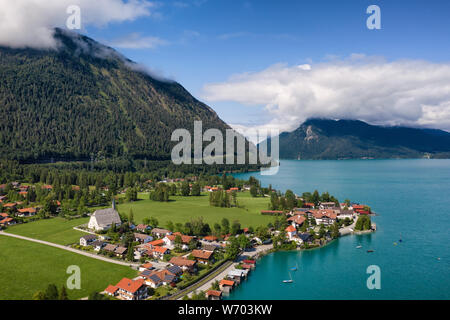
288	281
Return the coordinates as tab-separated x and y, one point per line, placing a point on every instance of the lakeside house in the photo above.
291	232
213	295
103	219
324	216
297	220
343	214
226	285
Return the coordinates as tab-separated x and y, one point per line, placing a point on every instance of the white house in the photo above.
291	232
87	240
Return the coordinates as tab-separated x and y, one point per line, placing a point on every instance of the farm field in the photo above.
56	230
27	267
183	209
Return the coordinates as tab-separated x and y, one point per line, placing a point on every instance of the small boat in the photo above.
359	247
290	280
295	268
369	251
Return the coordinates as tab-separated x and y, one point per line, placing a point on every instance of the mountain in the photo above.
352	139
86	100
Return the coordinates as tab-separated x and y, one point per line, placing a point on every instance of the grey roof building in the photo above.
104	218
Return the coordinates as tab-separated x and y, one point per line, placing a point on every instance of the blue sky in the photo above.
199	42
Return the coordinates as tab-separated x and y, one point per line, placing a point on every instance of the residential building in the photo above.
160	233
203	256
87	240
184	264
128	289
214	295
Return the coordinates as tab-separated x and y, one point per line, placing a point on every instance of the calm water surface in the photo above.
412	199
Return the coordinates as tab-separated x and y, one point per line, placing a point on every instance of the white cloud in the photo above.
30	23
412	93
136	41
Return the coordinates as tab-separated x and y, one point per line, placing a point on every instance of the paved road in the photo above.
347	230
87	254
202	282
206	283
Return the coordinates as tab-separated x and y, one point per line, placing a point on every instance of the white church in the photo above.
103	219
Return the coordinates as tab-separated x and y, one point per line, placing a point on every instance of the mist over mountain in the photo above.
353	139
86	100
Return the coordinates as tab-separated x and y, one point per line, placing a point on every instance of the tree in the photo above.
253	191
39	295
232	249
51	293
225	225
195	189
235	227
131	194
170	225
130	252
335	231
131	217
63	294
153	222
215	285
244	242
185	189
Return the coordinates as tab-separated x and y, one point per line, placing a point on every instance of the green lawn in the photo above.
56	230
26	267
183	209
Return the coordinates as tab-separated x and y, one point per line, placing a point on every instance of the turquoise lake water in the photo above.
412	199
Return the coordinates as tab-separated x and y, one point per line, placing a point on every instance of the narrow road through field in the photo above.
87	254
202	282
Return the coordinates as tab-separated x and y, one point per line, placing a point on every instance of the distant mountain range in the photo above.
86	100
352	139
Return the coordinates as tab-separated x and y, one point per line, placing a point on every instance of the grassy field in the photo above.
183	209
26	267
56	230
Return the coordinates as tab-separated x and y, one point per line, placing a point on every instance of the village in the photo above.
174	265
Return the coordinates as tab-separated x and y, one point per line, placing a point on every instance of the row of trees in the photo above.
52	293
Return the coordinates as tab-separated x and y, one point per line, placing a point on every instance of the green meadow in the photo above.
27	267
56	230
183	209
